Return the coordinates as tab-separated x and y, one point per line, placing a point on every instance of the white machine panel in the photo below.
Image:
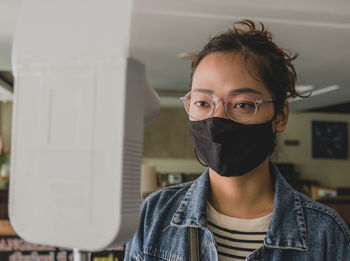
77	126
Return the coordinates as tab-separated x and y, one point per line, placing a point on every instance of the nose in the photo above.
219	111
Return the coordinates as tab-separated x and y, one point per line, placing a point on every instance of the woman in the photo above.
240	208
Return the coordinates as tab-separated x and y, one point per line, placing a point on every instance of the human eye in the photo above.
201	101
244	105
241	103
202	104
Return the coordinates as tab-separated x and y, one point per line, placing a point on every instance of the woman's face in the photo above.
220	73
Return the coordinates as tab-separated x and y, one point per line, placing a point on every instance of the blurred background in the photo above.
313	153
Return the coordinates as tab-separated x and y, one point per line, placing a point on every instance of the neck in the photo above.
248	196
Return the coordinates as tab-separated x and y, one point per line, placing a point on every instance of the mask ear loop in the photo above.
274	118
275	132
199	161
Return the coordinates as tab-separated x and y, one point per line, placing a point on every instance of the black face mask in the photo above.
230	148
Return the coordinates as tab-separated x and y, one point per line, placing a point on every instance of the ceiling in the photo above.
318	30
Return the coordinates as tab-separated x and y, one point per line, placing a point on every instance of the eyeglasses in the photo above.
238	106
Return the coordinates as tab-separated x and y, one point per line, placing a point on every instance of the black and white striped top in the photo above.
236	238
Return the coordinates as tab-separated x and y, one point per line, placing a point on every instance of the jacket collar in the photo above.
193	208
287	228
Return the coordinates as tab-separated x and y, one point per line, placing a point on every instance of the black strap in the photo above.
194	247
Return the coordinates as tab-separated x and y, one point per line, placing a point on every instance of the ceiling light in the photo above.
186	55
304	88
318	92
325	90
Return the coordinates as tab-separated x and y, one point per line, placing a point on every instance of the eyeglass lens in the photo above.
239	107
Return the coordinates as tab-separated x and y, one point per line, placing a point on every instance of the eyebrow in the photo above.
240	90
245	90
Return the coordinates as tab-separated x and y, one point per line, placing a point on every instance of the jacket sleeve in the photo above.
338	247
134	247
132	250
343	252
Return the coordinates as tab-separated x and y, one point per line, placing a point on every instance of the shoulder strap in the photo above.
194	247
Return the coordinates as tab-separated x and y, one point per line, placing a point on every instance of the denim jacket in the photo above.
300	228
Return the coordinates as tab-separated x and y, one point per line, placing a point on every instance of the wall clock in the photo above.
330	140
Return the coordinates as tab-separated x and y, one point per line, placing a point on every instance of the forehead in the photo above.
221	73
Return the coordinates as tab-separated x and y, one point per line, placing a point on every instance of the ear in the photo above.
282	118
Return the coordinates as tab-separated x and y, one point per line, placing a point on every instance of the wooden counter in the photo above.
6	228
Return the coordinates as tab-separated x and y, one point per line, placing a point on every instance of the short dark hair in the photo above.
265	61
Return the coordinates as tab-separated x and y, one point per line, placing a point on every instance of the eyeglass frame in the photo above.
217	100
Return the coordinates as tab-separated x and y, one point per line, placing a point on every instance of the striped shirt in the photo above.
236	238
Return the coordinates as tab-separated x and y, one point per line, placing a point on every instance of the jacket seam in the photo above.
162	254
186	184
156	193
182	204
301	223
335	218
139	257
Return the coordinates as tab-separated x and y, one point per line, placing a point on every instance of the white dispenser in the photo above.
80	104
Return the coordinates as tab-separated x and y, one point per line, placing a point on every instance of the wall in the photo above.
6	122
328	172
168	145
168	136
